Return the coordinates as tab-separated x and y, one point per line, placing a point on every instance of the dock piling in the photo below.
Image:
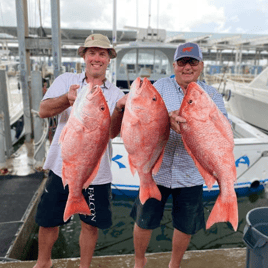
4	112
39	129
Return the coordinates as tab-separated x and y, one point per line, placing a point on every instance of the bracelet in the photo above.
118	109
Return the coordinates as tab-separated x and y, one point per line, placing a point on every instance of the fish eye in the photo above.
190	101
154	98
102	108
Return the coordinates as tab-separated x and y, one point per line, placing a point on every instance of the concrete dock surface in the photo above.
218	258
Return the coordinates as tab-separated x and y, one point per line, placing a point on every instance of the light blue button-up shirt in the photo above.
178	169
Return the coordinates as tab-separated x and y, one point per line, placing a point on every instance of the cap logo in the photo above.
189	49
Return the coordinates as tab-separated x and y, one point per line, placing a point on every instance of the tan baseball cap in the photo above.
97	40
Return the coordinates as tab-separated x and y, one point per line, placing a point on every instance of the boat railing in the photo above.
247	89
237	84
221	77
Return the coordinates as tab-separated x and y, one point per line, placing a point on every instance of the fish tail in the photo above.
149	191
76	206
224	212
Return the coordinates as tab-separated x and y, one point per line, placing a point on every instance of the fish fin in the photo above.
132	168
95	171
135	120
208	178
76	206
224	212
62	135
222	124
158	163
63	176
92	176
149	190
77	126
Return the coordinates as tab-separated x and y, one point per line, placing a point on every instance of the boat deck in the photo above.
219	258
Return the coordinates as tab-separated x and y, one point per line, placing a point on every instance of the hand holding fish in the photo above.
175	119
72	93
117	116
121	103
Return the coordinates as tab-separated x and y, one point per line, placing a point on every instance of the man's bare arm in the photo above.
52	107
117	117
55	106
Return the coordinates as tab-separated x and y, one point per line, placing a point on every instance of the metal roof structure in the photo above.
68	36
222	40
215	46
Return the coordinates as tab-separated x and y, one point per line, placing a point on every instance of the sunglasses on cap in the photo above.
183	61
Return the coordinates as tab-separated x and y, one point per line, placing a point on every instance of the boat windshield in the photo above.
145	63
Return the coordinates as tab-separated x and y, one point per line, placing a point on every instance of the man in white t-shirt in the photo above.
59	98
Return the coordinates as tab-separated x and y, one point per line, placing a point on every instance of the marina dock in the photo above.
219	258
16	226
19	191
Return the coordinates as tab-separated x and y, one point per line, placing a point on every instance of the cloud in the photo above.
185	18
7	13
86	14
99	14
240	30
262	5
234	19
196	15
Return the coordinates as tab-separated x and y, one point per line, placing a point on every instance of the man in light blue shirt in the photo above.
178	174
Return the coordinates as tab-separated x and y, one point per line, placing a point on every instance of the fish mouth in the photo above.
93	92
139	87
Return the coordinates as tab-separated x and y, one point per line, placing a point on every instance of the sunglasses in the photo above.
182	62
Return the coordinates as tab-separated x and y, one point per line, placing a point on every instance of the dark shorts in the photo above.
187	209
51	207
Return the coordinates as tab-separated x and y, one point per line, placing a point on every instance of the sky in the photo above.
221	16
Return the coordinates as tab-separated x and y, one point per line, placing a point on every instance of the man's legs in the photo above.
88	239
180	244
141	241
47	237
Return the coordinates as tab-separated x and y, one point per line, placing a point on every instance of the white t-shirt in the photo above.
61	86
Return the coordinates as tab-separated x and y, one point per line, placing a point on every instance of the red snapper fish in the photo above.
145	132
208	138
83	141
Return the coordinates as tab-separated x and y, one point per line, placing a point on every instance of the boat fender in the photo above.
227	95
254	184
264	154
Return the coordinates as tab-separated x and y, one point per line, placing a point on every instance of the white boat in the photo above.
251	159
249	101
149	56
14	95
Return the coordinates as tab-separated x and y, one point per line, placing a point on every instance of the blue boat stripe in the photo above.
205	187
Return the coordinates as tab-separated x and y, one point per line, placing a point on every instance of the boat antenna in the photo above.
40	13
149	13
157	14
137	14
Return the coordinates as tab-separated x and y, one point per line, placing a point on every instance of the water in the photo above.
119	240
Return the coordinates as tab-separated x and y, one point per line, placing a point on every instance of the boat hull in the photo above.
251	159
249	109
